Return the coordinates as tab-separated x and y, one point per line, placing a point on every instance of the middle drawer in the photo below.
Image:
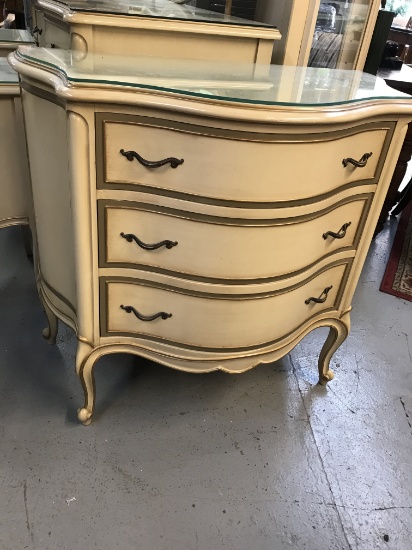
144	237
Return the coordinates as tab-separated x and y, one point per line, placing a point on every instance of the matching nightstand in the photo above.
158	29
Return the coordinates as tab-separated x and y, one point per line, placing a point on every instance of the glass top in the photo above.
7	75
15	36
244	83
169	9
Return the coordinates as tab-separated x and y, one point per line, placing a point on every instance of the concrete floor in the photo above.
265	460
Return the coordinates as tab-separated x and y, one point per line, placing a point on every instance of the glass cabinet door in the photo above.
321	33
339	34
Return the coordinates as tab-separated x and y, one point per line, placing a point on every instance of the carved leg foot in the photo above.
337	335
85	361
50	332
85	416
324	378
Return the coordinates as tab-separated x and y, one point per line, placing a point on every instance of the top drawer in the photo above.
235	166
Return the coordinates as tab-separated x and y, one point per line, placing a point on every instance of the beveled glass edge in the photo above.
395	95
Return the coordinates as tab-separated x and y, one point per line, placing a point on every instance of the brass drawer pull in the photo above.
161	314
340	234
130	237
322	297
358	163
130	155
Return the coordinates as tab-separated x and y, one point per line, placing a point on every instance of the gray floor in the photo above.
175	461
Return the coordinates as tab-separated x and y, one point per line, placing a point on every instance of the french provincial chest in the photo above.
143	27
204	216
13	156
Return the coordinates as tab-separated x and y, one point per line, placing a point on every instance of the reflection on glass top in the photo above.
244	83
15	36
157	8
7	75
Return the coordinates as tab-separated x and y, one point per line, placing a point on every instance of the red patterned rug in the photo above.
398	275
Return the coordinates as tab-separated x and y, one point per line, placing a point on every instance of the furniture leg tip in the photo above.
50	339
85	416
325	378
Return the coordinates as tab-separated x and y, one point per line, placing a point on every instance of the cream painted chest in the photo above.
143	27
202	216
13	156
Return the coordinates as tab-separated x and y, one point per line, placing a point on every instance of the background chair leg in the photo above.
405	199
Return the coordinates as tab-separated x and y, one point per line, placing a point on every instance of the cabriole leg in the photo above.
337	335
85	360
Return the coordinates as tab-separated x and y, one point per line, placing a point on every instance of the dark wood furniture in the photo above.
401	36
399	80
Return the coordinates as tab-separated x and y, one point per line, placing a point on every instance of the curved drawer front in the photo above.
239	167
213	321
210	248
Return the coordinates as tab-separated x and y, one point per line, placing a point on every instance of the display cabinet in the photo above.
202	215
143	27
332	34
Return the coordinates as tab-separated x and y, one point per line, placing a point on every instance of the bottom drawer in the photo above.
211	320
